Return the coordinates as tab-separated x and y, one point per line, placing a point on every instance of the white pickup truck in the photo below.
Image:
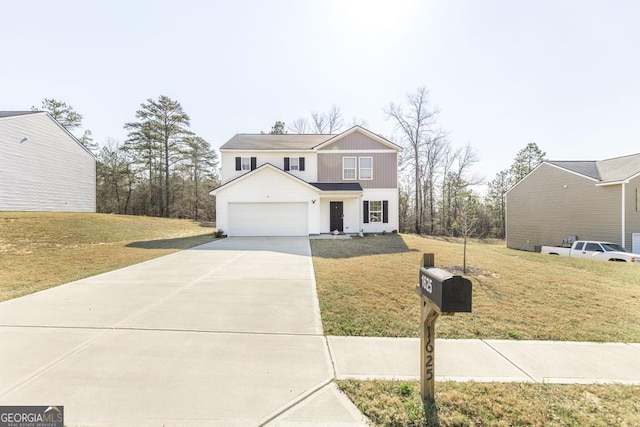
601	251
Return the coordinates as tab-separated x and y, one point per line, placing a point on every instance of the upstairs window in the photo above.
294	164
366	167
349	168
246	163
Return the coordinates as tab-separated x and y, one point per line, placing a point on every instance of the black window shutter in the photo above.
254	161
365	209
238	163
286	163
301	163
385	211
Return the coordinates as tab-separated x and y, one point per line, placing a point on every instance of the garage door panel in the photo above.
268	219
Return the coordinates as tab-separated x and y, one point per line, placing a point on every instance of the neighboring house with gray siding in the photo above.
300	184
593	200
43	167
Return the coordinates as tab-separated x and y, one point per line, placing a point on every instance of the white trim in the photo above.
269	150
605	184
380	211
355	168
356	151
360	168
341	194
297	159
624	216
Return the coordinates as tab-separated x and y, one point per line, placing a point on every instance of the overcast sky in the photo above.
562	74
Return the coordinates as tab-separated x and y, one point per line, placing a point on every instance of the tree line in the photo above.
436	180
164	169
437	195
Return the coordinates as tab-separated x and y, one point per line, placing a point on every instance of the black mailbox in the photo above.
451	294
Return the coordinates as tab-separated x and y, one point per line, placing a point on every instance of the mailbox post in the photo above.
440	292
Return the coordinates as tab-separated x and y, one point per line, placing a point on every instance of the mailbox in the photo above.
451	294
440	292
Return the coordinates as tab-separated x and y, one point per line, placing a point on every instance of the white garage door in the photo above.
268	219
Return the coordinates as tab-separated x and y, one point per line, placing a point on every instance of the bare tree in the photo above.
466	224
319	122
358	121
435	149
334	119
416	126
300	125
495	202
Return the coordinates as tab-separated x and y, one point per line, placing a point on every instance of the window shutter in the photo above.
238	163
365	206
286	163
301	163
385	211
254	161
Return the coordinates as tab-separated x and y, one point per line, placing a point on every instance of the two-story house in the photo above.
300	184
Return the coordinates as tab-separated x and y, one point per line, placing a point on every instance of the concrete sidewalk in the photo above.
229	333
488	360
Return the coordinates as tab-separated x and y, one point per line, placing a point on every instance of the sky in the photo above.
562	74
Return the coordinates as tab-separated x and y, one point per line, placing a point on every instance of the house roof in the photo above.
294	141
244	141
337	186
606	171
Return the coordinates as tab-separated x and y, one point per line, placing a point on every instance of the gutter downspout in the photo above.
623	216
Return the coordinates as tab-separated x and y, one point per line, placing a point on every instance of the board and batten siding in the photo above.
632	212
355	141
47	171
385	168
551	204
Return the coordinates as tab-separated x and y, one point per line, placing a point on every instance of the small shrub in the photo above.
405	389
219	234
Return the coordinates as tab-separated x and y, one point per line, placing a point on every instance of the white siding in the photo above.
49	171
229	172
268	186
383	194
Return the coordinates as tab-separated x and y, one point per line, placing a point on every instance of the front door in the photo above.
336	216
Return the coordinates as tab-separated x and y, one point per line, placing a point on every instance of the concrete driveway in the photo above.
228	333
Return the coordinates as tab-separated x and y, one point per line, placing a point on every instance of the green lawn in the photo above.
366	287
390	403
41	250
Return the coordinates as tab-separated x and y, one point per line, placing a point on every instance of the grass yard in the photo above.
390	403
42	250
366	288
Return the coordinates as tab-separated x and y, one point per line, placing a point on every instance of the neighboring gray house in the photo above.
297	185
42	166
593	200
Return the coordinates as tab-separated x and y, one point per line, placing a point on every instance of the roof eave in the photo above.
227	184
